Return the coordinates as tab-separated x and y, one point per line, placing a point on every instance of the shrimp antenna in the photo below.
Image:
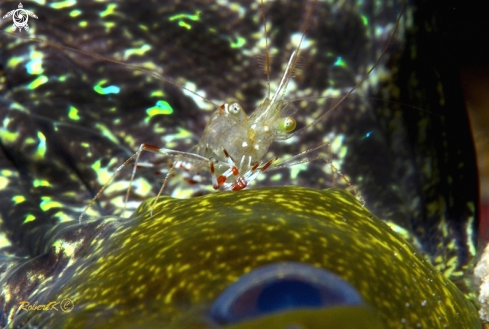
282	87
298	48
267	53
111	60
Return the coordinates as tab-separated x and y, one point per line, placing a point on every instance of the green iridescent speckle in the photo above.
75	13
109	11
29	218
63	4
104	174
8	135
340	62
41	146
73	113
137	51
181	17
364	20
240	42
194	17
106	90
18	199
3	182
14	61
157	93
47	204
63	217
161	108
185	25
34	66
38	81
4	241
109	25
40	182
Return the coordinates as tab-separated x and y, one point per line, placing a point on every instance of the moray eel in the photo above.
68	120
170	267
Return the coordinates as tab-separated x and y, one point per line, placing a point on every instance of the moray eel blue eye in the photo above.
280	287
285	294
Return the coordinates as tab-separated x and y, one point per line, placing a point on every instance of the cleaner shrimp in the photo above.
234	146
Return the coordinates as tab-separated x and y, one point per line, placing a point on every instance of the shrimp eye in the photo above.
287	125
235	108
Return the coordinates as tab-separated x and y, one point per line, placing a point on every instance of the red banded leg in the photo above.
243	181
217	182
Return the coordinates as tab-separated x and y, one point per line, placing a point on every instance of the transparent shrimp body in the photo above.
242	141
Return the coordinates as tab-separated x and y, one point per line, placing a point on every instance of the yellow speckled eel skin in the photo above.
169	268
